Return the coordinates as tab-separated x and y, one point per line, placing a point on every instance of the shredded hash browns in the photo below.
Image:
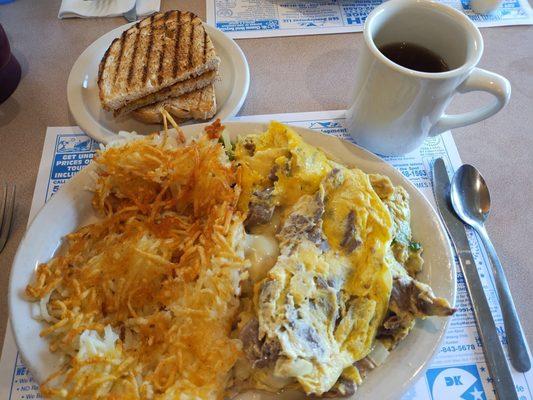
141	302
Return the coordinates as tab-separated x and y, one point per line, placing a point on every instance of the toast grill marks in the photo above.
205	46
109	58
164	49
191	41
122	45
192	44
127	74
137	36
185	44
175	64
157	52
148	50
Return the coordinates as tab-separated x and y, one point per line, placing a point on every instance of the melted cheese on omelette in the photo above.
281	157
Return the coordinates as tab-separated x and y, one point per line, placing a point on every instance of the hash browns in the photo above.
152	288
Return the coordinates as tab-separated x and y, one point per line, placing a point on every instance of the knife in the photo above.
492	347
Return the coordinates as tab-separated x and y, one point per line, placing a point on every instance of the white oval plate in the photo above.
231	87
71	208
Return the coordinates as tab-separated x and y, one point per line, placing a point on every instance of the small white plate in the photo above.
231	87
71	208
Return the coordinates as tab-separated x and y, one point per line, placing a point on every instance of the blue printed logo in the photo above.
71	144
455	383
325	125
465	4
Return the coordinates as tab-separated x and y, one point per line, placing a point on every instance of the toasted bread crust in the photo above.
200	104
154	54
178	89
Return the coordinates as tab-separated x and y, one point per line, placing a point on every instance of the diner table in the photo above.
288	74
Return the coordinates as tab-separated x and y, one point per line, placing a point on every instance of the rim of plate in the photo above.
77	77
15	299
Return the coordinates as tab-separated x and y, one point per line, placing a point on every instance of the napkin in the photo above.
105	8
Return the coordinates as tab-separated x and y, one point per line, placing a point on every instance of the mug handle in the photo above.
479	80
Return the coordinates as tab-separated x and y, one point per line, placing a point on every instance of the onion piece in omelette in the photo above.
142	302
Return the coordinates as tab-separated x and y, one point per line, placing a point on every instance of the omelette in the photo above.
342	286
218	268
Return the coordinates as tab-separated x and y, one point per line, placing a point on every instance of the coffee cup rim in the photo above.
470	63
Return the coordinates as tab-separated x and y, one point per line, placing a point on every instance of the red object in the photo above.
9	68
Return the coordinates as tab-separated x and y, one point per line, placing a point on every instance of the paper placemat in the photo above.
457	372
268	18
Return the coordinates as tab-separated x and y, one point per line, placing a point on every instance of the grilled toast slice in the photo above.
200	104
176	90
154	54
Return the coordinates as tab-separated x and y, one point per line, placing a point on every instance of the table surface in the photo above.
293	74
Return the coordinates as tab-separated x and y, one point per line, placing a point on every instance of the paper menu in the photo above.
268	18
457	372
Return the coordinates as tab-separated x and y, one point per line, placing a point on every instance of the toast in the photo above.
153	55
200	104
176	90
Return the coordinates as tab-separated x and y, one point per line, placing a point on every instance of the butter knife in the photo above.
492	347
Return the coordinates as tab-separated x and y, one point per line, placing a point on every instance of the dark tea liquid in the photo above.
415	57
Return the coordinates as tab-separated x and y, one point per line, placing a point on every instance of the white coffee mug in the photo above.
396	108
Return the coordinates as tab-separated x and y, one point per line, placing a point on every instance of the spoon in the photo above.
471	201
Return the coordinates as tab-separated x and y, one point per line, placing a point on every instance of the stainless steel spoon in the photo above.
471	201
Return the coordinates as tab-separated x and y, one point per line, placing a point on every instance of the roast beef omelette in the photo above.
218	268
